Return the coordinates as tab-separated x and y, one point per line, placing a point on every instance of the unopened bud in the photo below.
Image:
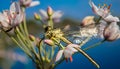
109	6
49	42
37	16
111	32
49	11
31	37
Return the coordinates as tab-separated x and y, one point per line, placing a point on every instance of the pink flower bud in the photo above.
37	16
111	32
49	11
49	42
31	37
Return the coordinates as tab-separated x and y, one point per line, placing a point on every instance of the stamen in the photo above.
17	12
109	6
99	5
105	5
71	59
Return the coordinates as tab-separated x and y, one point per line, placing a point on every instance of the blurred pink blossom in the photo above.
103	12
55	16
67	52
11	18
10	55
28	3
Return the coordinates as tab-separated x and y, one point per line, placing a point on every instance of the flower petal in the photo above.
94	7
103	12
59	55
18	19
57	14
25	3
71	46
101	28
44	13
3	20
15	9
111	18
68	52
34	3
15	12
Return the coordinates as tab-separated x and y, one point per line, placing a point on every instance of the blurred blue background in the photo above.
76	9
107	54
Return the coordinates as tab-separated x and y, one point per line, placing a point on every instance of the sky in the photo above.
76	9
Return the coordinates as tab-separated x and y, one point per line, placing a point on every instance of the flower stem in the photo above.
50	22
24	23
61	46
39	47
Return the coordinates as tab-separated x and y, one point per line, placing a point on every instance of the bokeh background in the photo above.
107	54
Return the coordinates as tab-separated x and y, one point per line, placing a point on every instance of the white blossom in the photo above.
67	52
103	12
55	16
11	18
28	3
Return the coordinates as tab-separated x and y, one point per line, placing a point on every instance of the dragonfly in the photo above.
87	28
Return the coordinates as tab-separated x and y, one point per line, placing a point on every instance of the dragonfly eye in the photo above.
47	28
